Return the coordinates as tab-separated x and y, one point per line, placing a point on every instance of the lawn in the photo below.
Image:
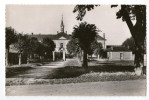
97	71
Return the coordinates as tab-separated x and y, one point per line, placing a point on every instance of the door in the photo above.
121	56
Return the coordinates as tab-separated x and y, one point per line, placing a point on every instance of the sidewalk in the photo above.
111	88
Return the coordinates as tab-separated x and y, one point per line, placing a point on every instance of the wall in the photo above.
127	55
102	42
116	55
57	42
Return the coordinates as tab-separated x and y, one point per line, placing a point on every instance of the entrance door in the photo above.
121	56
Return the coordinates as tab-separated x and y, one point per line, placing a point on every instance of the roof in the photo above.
57	36
100	38
61	34
117	49
52	37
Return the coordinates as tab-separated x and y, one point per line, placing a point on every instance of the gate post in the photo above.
53	55
64	58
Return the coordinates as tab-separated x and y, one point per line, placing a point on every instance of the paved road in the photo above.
121	88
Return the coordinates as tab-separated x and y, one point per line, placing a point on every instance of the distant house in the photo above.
118	53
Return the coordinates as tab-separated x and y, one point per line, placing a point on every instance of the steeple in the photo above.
62	25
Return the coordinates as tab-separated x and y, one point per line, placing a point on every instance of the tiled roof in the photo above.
117	48
62	35
57	36
53	37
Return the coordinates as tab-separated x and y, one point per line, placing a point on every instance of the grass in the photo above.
97	71
12	71
89	77
73	71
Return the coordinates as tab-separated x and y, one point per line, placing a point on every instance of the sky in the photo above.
46	19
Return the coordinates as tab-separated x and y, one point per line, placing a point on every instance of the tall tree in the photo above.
22	45
10	39
86	34
73	47
96	48
137	30
49	45
40	50
33	45
129	43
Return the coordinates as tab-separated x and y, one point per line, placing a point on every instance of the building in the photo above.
102	40
62	38
118	53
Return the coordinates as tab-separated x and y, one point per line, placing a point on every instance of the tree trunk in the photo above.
138	32
20	57
28	58
7	57
98	56
139	58
85	64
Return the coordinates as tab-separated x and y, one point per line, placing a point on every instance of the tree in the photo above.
40	50
96	48
22	45
129	43
137	30
10	39
73	47
49	45
33	45
85	33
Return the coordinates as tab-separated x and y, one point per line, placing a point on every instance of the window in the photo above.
61	45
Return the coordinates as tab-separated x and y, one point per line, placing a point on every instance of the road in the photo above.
111	88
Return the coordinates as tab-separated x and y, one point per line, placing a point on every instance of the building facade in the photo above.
118	53
62	38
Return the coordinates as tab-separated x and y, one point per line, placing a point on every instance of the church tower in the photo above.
62	25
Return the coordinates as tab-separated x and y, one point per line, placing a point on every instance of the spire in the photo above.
62	24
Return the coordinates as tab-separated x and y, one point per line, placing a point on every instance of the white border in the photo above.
46	2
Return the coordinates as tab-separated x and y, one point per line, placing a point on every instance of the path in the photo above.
46	71
54	64
40	71
112	88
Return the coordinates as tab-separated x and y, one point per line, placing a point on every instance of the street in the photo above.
111	88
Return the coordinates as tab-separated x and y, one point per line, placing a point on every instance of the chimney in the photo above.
104	41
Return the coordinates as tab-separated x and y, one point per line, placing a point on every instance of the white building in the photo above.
62	38
118	53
